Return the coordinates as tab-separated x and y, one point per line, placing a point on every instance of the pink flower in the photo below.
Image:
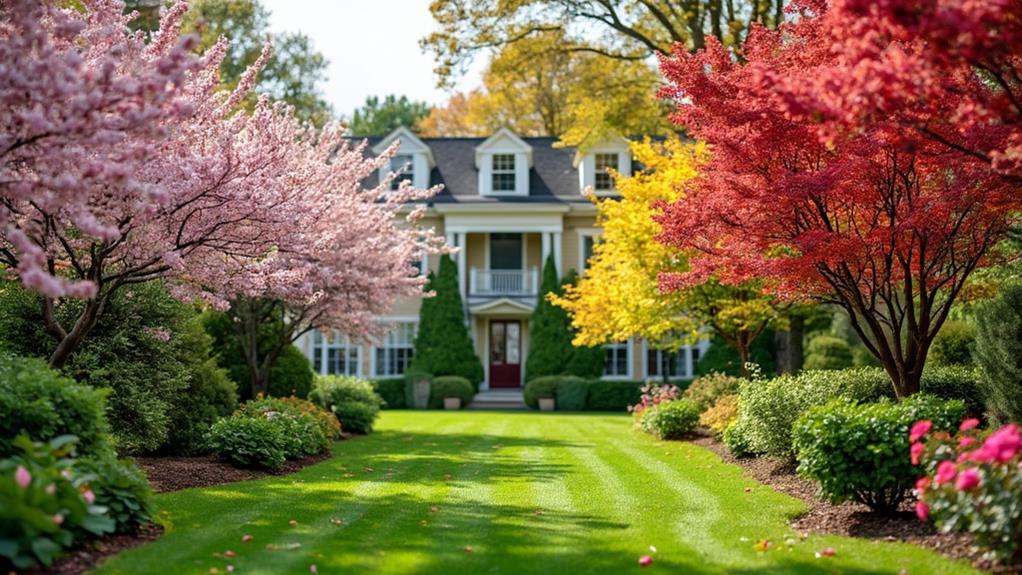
922	510
22	477
51	489
946	471
966	441
1004	444
922	483
968	479
920	429
917	450
971	423
57	518
645	560
89	496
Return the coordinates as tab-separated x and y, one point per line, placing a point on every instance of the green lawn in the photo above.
527	492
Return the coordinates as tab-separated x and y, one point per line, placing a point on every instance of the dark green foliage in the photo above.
351	399
722	358
572	393
43	405
291	374
550	349
999	353
956	382
735	440
450	386
379	118
443	345
248	441
413	377
608	395
28	534
861	357
209	394
954	344
585	362
305	427
828	352
671	420
121	487
861	452
540	387
392	391
706	389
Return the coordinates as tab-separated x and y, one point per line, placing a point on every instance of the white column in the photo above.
547	244
450	239
558	248
462	270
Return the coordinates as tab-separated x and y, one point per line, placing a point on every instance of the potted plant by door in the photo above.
451	392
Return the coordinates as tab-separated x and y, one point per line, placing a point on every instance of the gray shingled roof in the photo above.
552	178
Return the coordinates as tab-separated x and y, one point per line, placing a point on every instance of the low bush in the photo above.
540	387
120	487
38	402
954	344
670	420
706	389
450	386
44	506
307	428
972	484
392	392
248	441
955	382
721	415
351	399
572	393
735	440
611	395
653	394
828	352
860	452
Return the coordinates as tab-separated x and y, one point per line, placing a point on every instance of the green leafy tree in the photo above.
443	345
380	117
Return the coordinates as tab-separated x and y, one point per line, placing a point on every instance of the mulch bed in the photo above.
90	554
854	519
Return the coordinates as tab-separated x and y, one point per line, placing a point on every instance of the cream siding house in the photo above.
508	202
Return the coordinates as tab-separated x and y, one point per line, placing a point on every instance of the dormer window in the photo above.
503	172
404	166
603	182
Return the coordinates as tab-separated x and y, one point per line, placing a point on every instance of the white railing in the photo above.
503	282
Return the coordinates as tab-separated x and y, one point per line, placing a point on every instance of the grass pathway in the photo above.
527	492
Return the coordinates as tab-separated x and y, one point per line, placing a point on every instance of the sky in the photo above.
372	46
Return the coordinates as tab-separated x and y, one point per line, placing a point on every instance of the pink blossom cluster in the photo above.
654	394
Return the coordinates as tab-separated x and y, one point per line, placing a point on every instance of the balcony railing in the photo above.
503	282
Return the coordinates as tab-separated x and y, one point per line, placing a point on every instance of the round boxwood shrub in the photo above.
392	391
40	403
954	344
545	386
572	393
351	399
828	352
450	386
955	382
671	420
860	452
248	441
706	389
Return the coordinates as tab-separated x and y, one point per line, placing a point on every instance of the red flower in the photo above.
946	471
966	441
917	450
968	479
971	423
922	510
922	483
920	429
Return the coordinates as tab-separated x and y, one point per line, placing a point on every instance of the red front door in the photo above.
505	353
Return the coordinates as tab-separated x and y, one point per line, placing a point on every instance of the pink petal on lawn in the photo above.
645	560
246	538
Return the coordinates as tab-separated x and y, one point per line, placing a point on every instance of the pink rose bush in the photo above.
653	394
973	483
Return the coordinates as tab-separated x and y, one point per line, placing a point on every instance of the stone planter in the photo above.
546	404
452	403
420	394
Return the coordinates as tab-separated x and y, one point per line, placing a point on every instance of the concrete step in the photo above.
498	399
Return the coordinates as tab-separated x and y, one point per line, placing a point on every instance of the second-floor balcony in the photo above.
510	283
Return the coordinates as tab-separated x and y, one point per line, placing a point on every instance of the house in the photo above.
508	202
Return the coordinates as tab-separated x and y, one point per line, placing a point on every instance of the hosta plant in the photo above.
972	483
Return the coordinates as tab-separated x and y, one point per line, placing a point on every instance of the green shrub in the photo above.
719	416
706	389
292	375
413	376
999	353
955	382
540	387
450	386
38	486
572	393
723	358
828	352
248	441
351	399
120	487
609	395
735	440
954	344
860	452
392	391
770	408
36	401
671	420
307	429
861	357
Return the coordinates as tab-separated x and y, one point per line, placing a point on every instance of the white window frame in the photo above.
503	171
323	344
629	355
503	142
584	233
685	355
587	166
374	367
598	171
403	168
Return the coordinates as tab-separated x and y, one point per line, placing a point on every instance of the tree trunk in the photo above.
790	352
744	351
68	342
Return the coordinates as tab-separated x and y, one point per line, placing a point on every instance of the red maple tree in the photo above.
881	220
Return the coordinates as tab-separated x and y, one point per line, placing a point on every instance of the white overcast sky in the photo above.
372	46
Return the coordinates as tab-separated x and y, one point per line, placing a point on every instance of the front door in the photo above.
505	353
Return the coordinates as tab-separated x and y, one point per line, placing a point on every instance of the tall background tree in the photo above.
380	117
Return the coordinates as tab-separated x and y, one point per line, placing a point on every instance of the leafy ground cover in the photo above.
472	492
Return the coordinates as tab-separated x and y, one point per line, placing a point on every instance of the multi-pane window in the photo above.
335	355
404	167
616	360
680	363
503	172
603	181
587	251
395	353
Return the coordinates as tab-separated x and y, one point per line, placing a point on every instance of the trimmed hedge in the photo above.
351	399
450	386
572	393
609	395
540	387
392	391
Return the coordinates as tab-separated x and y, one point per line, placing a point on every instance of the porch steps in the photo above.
509	399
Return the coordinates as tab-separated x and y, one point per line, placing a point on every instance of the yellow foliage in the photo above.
721	415
618	297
